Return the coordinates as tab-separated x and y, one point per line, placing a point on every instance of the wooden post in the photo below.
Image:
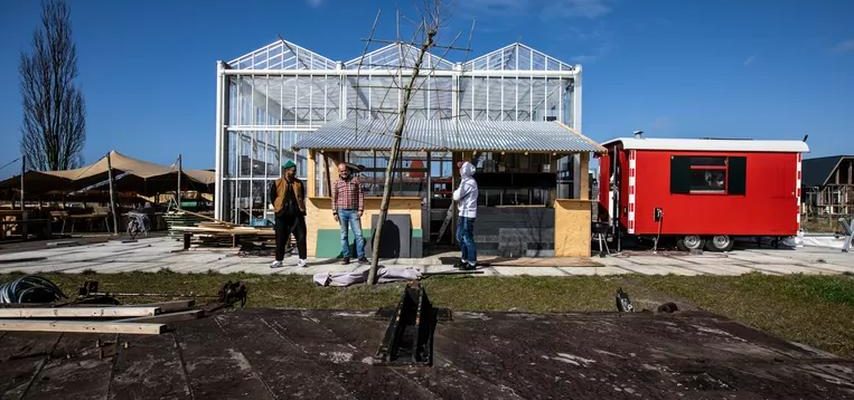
23	171
328	178
851	172
112	199
584	187
395	149
178	193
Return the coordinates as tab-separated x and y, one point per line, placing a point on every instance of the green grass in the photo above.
815	310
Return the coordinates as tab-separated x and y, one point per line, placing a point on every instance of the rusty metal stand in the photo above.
408	339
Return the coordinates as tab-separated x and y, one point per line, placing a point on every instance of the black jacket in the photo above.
272	192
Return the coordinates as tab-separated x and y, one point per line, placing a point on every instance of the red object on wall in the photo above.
704	186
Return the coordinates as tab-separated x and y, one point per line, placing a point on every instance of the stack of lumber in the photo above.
226	229
218	233
143	319
181	218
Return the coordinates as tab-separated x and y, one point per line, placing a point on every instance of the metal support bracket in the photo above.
408	339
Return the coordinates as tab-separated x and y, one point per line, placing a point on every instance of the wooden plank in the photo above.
28	325
214	220
166	318
78	312
226	231
170	306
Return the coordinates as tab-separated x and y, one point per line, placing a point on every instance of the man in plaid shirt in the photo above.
348	204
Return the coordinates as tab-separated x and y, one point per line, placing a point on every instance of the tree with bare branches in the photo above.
54	128
425	34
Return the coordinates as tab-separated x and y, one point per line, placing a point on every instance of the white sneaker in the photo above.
276	264
302	263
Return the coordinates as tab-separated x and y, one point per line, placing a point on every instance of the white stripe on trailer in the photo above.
798	190
632	186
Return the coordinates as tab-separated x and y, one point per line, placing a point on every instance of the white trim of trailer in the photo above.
632	189
680	144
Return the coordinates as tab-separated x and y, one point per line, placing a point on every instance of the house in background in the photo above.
828	186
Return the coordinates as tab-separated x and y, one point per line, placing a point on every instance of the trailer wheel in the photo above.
720	243
690	242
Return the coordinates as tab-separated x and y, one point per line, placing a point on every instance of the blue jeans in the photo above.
349	219
465	236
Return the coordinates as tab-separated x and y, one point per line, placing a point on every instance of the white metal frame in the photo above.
270	70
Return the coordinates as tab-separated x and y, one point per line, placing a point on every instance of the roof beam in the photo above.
406	71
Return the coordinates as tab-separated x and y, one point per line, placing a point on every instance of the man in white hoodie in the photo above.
466	198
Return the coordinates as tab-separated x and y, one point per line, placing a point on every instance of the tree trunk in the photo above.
395	149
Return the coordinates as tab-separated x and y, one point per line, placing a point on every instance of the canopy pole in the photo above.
112	201
23	171
178	193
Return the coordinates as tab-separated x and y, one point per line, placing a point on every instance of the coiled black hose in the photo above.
30	289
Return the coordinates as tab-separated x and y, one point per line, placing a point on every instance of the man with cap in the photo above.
287	196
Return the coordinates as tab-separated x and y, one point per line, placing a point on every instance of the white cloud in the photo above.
315	3
846	46
576	8
749	60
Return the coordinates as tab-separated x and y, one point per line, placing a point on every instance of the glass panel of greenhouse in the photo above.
269	98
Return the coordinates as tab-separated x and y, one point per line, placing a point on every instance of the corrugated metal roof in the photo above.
782	146
448	135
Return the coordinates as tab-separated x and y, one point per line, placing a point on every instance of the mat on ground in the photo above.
384	275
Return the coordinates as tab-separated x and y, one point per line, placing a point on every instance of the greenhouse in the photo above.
515	112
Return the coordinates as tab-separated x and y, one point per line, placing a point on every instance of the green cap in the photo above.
289	164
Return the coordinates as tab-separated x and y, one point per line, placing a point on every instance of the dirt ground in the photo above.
274	354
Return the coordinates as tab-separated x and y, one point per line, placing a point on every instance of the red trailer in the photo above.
702	192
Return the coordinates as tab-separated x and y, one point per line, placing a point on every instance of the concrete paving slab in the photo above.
590	271
154	254
659	269
653	260
787	269
759	258
835	268
724	270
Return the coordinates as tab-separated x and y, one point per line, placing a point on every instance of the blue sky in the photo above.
760	68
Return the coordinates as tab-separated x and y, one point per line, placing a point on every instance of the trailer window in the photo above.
708	180
703	175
